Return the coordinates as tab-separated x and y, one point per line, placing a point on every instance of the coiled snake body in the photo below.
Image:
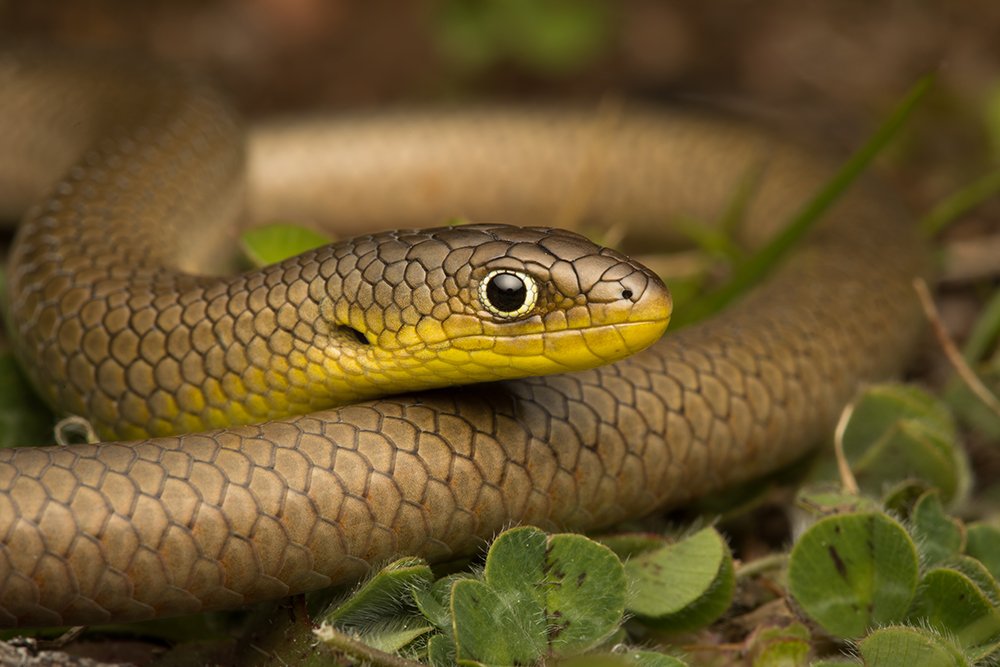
107	325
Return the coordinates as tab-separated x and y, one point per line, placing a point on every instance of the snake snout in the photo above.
631	307
651	310
651	299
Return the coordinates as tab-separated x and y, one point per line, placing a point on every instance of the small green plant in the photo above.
277	241
539	597
887	577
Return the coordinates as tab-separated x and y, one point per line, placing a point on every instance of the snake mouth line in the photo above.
567	349
631	325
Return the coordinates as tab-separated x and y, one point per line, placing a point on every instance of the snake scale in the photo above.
134	181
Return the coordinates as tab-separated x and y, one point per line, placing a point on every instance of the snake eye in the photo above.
508	294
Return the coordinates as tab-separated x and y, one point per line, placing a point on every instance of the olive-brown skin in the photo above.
179	524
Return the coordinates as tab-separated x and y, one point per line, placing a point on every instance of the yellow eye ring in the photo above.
508	294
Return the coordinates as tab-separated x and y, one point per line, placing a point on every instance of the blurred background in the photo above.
828	68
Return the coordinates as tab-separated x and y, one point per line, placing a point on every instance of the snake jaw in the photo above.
568	336
480	303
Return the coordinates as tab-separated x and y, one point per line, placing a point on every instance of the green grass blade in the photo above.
751	271
966	199
985	331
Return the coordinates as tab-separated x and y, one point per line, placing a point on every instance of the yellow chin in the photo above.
479	358
445	355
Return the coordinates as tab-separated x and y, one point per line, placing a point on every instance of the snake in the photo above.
275	431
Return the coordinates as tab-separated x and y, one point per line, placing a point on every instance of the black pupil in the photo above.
506	292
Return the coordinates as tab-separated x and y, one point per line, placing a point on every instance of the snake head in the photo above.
417	309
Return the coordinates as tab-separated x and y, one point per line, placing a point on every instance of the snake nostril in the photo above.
626	294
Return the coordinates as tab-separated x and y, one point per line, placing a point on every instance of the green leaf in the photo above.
853	571
630	545
396	634
384	596
909	647
951	602
787	653
541	596
977	572
682	586
897	432
276	242
515	563
585	597
983	543
879	408
939	537
900	498
820	499
970	410
985	654
781	647
435	602
440	651
494	629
